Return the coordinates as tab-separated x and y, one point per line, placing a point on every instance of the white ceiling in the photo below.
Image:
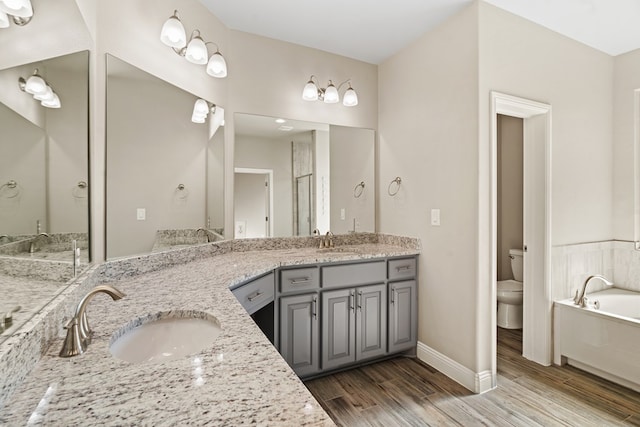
373	31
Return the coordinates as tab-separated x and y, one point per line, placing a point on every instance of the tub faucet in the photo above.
580	299
32	245
78	330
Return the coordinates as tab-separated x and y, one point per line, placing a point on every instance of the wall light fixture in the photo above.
195	51
35	85
330	95
18	11
201	110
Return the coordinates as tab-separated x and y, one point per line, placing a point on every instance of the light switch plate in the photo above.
435	217
343	214
141	214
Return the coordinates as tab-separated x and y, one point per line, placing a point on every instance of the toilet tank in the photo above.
516	263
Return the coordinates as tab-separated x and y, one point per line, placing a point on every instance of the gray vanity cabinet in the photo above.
299	330
403	315
354	325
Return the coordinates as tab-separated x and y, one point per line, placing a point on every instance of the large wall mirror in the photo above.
164	172
44	193
292	177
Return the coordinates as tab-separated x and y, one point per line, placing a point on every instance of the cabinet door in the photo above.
403	315
338	328
299	332
371	321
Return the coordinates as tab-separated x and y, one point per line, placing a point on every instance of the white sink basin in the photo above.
164	336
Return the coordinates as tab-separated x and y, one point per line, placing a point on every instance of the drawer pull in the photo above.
403	268
300	280
254	295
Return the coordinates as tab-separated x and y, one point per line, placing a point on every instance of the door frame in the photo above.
537	321
269	173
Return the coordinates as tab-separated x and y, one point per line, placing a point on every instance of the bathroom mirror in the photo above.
293	176
164	172
44	191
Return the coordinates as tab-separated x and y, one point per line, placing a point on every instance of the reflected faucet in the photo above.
206	233
580	299
32	245
78	330
4	236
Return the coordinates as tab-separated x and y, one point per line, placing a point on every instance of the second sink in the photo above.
164	336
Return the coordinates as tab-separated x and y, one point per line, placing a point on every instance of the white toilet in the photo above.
510	295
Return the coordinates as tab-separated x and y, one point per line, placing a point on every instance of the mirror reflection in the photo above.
292	177
164	172
44	190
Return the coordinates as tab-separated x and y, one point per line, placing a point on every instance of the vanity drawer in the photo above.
402	268
334	276
256	294
299	279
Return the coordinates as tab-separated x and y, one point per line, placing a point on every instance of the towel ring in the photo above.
181	192
79	191
360	187
397	182
10	185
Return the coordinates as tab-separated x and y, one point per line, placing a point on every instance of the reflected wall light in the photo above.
35	85
201	110
194	51
18	11
330	95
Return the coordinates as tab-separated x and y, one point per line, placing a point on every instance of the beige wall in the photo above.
510	185
625	81
434	133
428	127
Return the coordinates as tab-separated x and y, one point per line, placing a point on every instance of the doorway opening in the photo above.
536	226
253	203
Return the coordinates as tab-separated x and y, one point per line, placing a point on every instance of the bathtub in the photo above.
604	341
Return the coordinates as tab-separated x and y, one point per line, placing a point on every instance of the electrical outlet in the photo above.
141	214
343	214
435	217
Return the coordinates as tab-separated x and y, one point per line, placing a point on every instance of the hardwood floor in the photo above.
407	392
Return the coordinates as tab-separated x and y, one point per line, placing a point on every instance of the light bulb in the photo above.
196	51
46	95
200	107
35	85
20	8
173	34
310	91
331	94
54	102
350	97
4	20
217	66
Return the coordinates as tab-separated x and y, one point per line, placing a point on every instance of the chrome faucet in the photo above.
78	330
32	245
206	233
328	240
580	299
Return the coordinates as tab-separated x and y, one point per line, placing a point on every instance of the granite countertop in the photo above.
240	379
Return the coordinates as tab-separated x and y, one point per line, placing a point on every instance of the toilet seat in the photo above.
509	286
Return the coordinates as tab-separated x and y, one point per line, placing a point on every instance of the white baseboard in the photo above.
475	382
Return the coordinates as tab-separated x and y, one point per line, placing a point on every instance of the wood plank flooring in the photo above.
407	392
